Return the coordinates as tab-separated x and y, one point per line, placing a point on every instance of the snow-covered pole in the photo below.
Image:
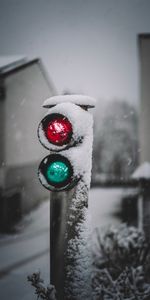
66	131
77	256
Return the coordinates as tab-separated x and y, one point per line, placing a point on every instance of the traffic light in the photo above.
63	131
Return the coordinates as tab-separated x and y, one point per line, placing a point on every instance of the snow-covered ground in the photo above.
28	251
24	253
103	203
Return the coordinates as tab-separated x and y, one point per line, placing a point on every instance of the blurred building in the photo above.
144	53
24	85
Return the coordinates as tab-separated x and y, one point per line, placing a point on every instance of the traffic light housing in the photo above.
63	131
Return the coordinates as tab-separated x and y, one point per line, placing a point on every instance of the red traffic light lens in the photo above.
57	129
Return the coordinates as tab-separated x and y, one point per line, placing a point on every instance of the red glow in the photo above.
58	131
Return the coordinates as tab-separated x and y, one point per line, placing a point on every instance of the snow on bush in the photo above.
121	265
42	292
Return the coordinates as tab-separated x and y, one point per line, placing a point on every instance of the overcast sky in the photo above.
87	46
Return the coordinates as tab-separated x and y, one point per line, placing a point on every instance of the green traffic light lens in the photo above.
57	172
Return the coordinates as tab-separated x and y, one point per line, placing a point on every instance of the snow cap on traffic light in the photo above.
81	100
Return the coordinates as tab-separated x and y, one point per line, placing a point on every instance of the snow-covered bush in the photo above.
121	265
42	292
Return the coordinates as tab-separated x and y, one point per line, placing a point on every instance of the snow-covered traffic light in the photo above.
63	131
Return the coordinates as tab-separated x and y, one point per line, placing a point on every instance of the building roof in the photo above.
11	62
143	171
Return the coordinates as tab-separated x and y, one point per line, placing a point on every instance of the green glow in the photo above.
57	172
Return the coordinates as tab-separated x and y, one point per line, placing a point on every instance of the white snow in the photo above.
103	204
78	250
76	99
143	171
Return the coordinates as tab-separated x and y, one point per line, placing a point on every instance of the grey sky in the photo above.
86	46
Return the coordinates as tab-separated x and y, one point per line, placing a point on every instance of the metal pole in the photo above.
58	214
